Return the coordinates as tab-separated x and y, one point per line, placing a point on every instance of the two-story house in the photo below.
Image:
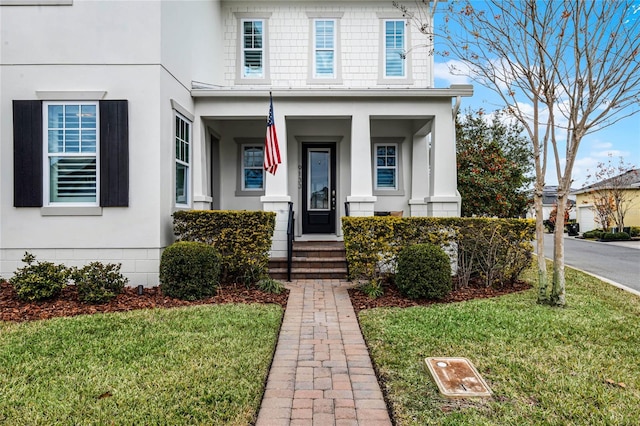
115	114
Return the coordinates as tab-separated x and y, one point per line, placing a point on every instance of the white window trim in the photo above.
316	49
177	161
46	184
240	189
382	71
312	78
241	18
386	141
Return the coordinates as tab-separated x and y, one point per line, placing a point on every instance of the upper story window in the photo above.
394	48
71	146
252	48
324	48
183	155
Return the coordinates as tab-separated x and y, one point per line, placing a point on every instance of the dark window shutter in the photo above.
114	154
27	153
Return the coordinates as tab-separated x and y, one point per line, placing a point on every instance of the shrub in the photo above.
269	285
494	250
373	243
634	231
373	288
98	283
596	233
243	239
189	270
424	271
39	281
615	236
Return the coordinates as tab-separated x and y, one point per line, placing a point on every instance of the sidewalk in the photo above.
321	372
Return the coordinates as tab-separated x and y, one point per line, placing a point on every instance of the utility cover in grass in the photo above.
457	378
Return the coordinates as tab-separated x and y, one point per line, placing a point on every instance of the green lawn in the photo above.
196	365
545	365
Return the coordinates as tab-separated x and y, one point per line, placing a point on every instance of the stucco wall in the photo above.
87	32
133	50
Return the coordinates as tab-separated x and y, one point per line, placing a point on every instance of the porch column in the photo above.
361	200
419	176
201	201
444	198
276	193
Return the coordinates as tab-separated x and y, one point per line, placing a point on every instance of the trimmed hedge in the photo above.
596	233
423	272
242	238
189	270
373	243
615	236
494	250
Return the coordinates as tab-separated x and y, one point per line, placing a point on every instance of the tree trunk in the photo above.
557	297
542	262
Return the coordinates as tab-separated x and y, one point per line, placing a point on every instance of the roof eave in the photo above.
465	90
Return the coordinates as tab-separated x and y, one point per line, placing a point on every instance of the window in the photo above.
70	153
253	49
386	166
324	48
183	142
252	168
71	138
394	48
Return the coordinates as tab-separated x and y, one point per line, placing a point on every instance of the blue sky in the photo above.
619	140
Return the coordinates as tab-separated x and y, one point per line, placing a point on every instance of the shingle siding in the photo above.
288	44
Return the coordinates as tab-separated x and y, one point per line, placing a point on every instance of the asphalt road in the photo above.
618	262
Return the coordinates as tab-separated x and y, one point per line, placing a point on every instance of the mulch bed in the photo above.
67	304
393	298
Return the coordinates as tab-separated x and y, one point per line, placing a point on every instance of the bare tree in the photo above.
563	69
612	192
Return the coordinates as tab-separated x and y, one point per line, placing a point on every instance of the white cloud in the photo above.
443	71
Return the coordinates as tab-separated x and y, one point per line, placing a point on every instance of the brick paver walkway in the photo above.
321	372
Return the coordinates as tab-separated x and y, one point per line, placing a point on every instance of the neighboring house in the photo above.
115	114
628	182
549	200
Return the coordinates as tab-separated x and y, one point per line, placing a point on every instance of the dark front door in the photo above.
319	188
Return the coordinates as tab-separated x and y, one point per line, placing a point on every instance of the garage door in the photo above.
586	219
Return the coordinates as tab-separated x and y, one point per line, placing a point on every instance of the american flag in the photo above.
271	149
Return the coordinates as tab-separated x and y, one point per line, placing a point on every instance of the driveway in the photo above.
616	261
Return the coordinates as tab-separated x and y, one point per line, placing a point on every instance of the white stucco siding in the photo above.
191	45
118	233
288	43
87	32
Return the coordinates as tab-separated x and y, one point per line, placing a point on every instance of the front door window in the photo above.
319	179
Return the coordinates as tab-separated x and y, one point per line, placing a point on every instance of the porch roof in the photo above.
455	90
